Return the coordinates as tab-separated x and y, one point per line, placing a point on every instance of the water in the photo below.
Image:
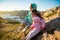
11	17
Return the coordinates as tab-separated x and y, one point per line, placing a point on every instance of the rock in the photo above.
57	34
52	24
45	35
48	32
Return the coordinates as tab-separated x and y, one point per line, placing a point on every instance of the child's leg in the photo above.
32	33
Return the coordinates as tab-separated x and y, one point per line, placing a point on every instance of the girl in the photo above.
37	25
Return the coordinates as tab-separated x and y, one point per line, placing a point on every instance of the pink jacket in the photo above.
38	23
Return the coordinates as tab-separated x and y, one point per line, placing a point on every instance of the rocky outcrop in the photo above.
52	30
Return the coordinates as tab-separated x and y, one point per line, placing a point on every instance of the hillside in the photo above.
21	13
52	30
12	30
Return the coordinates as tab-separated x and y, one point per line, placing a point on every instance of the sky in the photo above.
10	5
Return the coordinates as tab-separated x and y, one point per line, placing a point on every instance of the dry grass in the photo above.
9	32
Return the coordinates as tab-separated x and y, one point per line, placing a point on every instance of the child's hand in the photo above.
31	27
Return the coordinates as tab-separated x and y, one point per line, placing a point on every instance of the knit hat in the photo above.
34	6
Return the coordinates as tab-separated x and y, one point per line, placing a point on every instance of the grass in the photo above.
7	32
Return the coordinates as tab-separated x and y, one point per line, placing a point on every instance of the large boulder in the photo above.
52	30
49	33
